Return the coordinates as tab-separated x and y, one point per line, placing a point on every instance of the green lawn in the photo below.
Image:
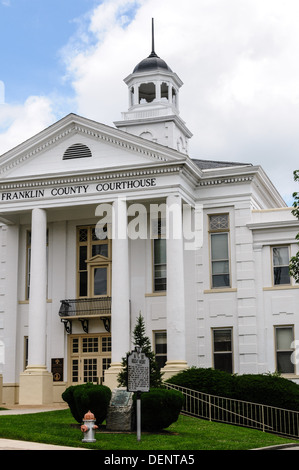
59	427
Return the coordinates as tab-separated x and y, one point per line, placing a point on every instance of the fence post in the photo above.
210	414
263	420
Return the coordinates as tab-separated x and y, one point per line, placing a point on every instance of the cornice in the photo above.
274	225
218	181
89	177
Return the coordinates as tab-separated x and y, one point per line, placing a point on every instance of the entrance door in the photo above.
90	356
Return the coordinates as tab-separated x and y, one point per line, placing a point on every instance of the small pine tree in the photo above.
139	339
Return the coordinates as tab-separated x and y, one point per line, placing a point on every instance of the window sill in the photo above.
156	294
281	287
49	301
215	291
289	375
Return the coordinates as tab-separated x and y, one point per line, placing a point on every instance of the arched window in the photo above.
147	92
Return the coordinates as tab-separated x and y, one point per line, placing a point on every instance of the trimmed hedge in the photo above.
266	389
160	408
82	398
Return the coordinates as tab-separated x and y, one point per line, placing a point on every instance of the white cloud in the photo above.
237	59
20	122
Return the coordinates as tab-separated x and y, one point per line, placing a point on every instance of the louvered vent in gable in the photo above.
77	151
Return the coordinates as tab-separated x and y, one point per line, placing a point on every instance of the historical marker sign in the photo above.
138	372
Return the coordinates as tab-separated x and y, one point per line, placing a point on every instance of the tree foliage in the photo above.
294	262
140	339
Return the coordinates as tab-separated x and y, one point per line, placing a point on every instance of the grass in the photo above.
60	428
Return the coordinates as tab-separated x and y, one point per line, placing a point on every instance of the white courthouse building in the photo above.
99	224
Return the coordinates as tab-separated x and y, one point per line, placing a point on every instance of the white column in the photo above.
36	382
176	349
120	292
38	290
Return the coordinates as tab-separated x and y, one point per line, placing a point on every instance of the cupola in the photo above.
153	111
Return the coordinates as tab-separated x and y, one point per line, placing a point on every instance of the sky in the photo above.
238	60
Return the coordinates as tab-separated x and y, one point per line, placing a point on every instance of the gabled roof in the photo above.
110	147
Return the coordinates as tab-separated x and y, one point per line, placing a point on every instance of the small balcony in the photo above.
84	310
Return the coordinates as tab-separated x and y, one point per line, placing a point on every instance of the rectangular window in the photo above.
106	344
160	264
160	340
106	362
93	263
90	344
219	241
75	370
25	352
284	337
90	370
222	349
281	260
159	256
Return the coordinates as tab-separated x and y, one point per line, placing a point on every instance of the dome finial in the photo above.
153	37
153	53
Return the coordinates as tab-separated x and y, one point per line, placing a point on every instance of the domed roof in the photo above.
152	62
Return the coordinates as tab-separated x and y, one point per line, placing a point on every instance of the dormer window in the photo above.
77	151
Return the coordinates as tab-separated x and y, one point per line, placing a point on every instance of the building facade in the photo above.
100	224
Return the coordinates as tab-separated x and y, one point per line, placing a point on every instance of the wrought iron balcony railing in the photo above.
85	309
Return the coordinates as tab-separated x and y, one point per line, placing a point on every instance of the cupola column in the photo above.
158	90
136	94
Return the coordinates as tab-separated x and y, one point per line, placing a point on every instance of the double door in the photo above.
89	357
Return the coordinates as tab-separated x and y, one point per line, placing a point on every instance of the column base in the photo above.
172	368
36	386
111	374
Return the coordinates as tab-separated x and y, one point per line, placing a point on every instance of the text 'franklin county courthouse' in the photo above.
99	224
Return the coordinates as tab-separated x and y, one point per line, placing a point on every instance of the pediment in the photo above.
109	148
97	259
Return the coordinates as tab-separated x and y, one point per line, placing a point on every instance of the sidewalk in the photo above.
11	444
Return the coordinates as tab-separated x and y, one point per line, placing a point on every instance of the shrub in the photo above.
266	389
160	408
211	381
82	398
269	389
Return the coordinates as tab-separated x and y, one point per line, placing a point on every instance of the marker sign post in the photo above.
138	379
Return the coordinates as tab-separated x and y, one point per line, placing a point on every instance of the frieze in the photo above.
82	189
89	178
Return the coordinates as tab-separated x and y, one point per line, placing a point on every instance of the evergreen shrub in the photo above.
266	389
211	381
88	397
160	408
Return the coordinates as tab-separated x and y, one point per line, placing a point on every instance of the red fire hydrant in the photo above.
89	427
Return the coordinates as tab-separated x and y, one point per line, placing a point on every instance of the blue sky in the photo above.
32	34
237	59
